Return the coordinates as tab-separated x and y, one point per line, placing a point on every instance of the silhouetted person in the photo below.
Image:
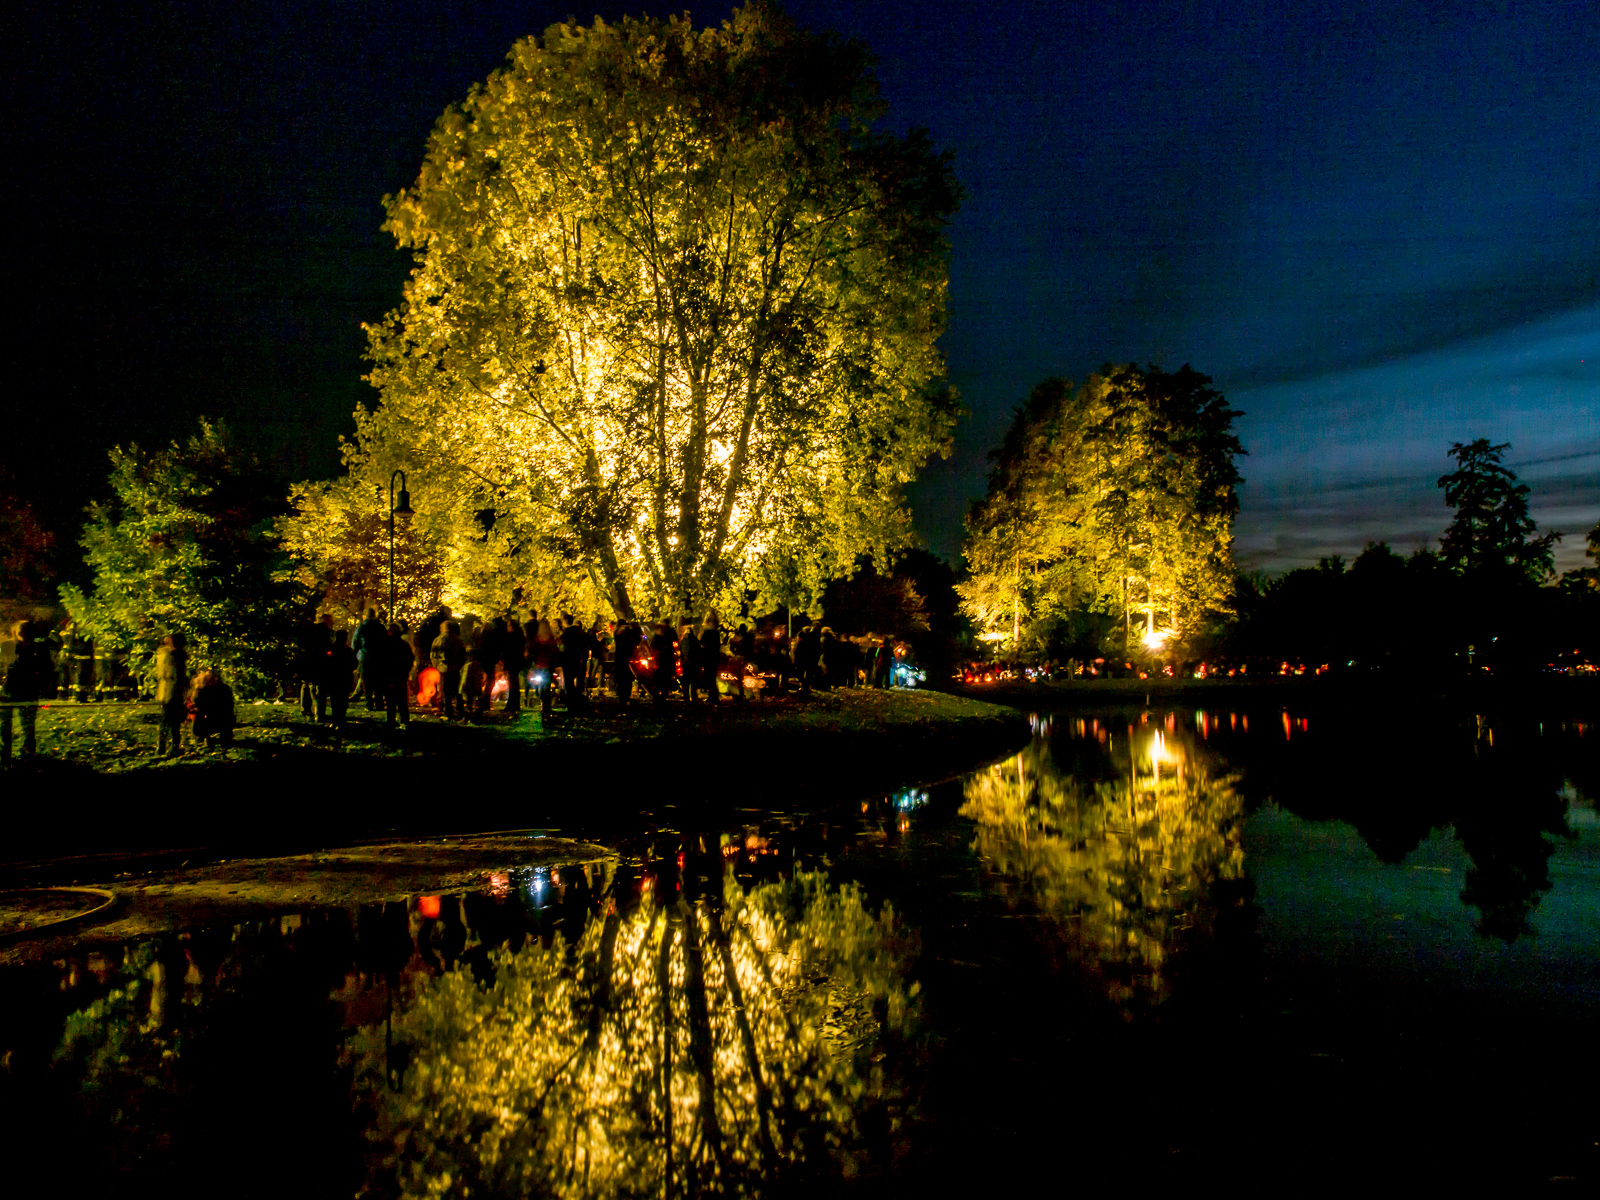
514	656
664	663
398	662
576	644
710	654
449	654
340	678
883	665
428	633
832	659
543	654
311	664
689	655
807	652
172	680
28	680
371	641
624	646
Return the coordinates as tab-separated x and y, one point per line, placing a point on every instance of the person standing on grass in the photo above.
664	657
576	644
398	662
624	645
371	642
449	654
543	654
514	653
807	651
710	654
172	681
27	681
341	677
311	659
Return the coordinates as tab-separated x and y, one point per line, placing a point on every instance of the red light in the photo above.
428	906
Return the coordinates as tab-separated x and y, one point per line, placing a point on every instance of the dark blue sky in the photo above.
1374	225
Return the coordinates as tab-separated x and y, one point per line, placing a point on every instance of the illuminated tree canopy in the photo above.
1117	496
679	1049
339	538
672	325
1122	865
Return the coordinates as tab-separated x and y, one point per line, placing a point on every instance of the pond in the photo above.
1157	945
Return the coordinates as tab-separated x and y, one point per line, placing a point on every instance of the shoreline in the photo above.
1545	695
287	786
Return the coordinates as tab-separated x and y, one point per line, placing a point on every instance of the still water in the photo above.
1155	946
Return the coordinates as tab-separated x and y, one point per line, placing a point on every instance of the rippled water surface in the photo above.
1156	945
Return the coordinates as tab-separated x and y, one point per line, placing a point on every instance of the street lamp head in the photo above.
403	509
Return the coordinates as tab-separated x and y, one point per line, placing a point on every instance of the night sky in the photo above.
1376	226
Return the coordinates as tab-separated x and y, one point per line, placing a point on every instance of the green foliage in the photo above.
338	535
188	545
671	332
1117	496
1491	532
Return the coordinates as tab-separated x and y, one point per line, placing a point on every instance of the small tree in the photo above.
188	545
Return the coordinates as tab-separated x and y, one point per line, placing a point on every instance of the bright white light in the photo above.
1154	639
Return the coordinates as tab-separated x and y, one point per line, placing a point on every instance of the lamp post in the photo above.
403	509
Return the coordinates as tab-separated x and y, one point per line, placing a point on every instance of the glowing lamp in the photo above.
428	906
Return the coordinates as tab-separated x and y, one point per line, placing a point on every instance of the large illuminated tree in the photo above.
672	325
1117	496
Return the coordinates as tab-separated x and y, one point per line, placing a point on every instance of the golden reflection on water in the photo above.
1121	867
675	1049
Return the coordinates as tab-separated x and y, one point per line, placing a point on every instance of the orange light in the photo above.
428	906
427	685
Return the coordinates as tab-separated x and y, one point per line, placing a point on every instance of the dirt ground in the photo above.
237	890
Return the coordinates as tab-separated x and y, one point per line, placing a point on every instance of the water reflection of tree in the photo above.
1124	864
1497	783
676	1049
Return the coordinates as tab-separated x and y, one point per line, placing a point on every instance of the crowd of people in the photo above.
461	667
455	668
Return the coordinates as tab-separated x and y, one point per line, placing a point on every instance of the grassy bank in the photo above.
97	785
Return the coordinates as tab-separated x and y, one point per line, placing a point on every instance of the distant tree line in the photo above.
1106	534
1486	599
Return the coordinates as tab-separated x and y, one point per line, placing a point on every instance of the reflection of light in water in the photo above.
909	799
673	1050
1125	865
